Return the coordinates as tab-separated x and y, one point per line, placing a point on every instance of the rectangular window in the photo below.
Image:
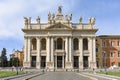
118	53
103	43
118	64
111	43
112	63
96	49
118	43
104	54
111	54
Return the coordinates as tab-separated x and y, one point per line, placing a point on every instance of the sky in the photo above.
12	13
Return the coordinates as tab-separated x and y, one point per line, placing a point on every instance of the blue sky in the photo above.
106	12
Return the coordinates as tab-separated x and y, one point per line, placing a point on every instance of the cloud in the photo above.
12	12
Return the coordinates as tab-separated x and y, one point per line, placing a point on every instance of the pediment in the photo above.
59	26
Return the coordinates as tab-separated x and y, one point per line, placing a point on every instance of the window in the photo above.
75	41
103	43
104	54
118	64
112	63
34	46
111	43
118	43
85	44
59	43
96	49
118	53
111	54
43	44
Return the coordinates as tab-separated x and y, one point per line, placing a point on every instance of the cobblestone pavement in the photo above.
60	76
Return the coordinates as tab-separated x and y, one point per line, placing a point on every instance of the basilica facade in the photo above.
59	43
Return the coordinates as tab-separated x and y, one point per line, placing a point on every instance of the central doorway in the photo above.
59	61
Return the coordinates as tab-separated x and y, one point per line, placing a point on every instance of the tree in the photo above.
3	58
14	61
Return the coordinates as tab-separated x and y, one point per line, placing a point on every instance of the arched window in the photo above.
34	44
43	44
85	44
59	43
75	44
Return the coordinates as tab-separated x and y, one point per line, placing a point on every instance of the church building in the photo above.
59	43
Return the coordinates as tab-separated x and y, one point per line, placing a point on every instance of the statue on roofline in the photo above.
80	19
49	16
53	16
38	19
26	20
59	9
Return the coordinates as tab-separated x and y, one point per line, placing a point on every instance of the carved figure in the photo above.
70	17
80	19
26	20
59	10
49	16
66	17
93	20
53	16
89	20
38	19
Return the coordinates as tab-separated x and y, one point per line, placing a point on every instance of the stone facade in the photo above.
59	44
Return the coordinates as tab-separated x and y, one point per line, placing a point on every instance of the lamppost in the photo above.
17	63
105	62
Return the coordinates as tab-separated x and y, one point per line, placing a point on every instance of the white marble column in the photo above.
94	52
63	61
52	53
52	49
90	52
81	53
29	53
48	51
38	53
25	51
66	49
70	51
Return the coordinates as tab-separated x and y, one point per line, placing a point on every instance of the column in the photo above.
48	51
52	51
70	52
29	52
25	52
63	61
81	53
66	49
90	52
94	53
38	53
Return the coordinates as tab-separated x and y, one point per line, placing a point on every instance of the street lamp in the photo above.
105	62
